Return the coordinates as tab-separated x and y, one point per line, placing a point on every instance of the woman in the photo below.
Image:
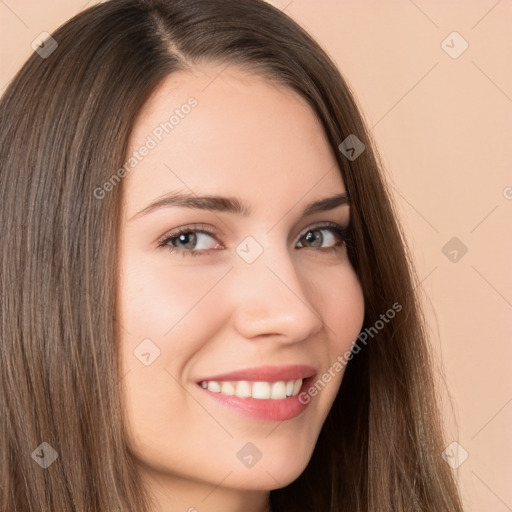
287	369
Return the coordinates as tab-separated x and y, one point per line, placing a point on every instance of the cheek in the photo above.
343	315
155	296
340	302
346	311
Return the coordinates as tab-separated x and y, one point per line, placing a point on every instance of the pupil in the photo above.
182	238
310	237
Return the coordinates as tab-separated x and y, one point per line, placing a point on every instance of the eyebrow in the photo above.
230	204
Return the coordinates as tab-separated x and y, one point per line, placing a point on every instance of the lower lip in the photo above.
270	409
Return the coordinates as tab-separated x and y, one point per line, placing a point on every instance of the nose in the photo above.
270	299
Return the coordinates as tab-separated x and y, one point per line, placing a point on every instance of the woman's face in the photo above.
271	287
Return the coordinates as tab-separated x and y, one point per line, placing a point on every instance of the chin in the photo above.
267	477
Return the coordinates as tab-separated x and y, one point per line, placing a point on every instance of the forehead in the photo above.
224	130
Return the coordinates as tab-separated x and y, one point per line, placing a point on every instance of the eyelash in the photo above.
342	232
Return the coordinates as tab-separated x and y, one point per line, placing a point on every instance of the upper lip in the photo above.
266	373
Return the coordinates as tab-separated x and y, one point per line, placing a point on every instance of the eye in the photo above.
189	238
191	241
315	237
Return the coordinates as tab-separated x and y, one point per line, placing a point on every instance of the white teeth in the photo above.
259	390
243	389
214	386
278	390
227	389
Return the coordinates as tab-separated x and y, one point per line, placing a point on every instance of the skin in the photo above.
214	313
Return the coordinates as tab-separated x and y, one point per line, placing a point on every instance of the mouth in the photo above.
270	400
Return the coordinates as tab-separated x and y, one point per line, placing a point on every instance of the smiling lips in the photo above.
269	392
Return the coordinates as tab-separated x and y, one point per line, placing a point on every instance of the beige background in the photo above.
443	126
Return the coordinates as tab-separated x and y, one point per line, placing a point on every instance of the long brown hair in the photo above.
64	125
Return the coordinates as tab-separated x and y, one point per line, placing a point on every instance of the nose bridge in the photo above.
270	296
